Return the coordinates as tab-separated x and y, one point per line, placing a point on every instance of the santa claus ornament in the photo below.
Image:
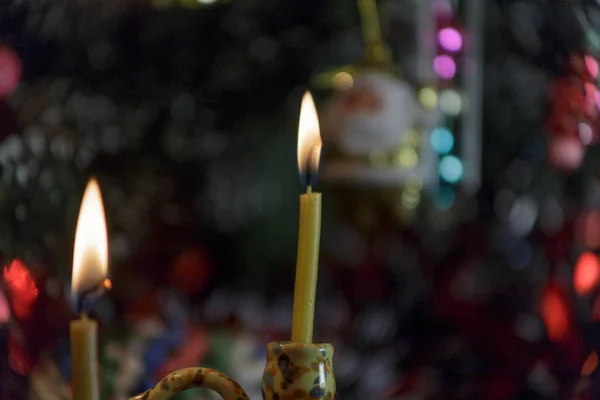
372	129
373	123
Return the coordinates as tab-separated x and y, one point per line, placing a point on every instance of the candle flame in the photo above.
90	255
309	136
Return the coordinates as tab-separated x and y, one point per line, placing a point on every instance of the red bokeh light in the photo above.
566	152
18	359
588	229
4	309
555	314
590	364
22	288
10	71
587	273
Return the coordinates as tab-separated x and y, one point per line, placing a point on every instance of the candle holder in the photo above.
294	371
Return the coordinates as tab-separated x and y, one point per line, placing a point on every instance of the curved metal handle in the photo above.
190	378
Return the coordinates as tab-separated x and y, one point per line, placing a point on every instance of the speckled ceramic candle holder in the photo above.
294	371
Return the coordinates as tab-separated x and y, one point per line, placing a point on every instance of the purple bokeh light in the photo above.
444	66
450	39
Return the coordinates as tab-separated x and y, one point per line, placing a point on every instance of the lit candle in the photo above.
90	264
307	265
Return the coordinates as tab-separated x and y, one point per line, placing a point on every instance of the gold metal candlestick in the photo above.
294	371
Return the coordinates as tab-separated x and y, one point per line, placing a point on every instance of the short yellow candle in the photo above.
90	265
307	265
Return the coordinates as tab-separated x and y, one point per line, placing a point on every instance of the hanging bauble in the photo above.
10	71
371	115
372	128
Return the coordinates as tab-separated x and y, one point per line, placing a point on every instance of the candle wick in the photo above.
90	293
308	189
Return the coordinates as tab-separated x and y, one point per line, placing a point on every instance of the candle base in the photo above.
294	371
298	371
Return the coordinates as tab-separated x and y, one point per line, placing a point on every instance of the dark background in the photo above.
188	117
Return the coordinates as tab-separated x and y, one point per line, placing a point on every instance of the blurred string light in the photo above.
442	140
411	195
4	309
450	39
590	365
591	65
588	229
555	313
428	97
448	101
444	66
587	273
451	169
445	198
574	112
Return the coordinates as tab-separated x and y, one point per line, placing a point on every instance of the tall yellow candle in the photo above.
90	265
307	265
84	356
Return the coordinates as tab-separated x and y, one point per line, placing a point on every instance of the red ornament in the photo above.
10	71
22	288
190	271
18	358
4	309
556	313
587	273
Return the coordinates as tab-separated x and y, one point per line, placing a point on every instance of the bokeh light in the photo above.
343	81
450	39
591	65
407	157
442	140
451	169
450	102
428	97
555	313
586	133
445	198
566	153
444	66
589	229
590	364
4	309
587	273
22	288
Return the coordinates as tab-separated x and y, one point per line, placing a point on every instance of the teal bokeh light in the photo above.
451	169
442	140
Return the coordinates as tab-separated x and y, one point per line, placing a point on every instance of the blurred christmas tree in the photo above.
184	110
